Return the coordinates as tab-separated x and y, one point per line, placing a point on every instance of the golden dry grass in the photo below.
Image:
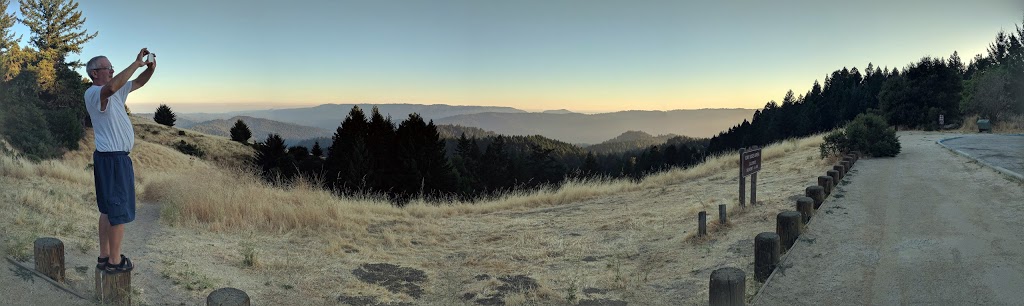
307	241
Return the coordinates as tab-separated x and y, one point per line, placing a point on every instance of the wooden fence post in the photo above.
847	166
841	170
766	255
722	214
49	255
727	287
825	182
227	297
753	189
789	226
743	181
817	193
835	177
805	206
702	224
113	288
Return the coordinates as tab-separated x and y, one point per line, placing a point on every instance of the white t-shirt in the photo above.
112	127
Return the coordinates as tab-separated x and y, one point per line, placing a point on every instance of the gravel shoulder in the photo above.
926	227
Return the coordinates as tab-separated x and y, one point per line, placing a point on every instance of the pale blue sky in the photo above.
533	55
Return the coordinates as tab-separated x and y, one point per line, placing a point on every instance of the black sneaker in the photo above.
125	266
101	262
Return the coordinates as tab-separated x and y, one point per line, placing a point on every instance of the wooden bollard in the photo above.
766	255
722	214
835	177
727	287
702	224
857	154
850	159
113	288
817	193
227	297
841	169
49	255
805	205
825	182
789	225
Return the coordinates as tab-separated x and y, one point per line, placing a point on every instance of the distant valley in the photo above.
585	129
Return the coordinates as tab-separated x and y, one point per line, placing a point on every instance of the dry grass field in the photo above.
588	242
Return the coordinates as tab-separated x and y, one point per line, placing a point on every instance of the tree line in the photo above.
373	155
910	98
41	109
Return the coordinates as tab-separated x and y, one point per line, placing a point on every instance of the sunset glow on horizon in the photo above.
585	56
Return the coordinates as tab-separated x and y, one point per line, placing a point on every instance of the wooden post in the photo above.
722	214
114	288
49	255
841	169
766	255
846	167
817	193
857	155
789	225
227	297
825	182
727	287
753	188
702	224
805	206
850	159
743	181
835	177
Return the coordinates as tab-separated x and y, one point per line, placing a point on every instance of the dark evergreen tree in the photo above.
164	115
425	170
317	151
381	144
273	159
240	132
347	157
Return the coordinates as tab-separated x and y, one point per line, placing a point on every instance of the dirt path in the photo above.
153	288
926	227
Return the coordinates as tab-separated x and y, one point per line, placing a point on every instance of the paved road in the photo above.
926	227
1005	151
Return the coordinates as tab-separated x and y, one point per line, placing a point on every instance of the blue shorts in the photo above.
115	186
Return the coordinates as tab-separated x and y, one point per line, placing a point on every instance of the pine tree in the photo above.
272	158
347	157
164	115
426	171
317	151
240	132
7	39
381	143
590	167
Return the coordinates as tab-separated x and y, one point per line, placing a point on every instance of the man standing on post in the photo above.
112	168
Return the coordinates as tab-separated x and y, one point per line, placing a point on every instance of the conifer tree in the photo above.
317	151
426	171
164	115
240	132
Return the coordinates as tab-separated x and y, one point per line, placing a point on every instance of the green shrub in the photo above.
189	149
868	133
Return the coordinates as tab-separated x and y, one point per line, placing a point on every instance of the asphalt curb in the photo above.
1005	171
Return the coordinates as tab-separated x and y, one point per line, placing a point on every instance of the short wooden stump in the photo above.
789	225
727	287
49	256
766	255
113	288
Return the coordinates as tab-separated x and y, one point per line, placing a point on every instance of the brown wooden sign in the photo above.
750	162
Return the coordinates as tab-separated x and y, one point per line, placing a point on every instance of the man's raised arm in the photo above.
120	79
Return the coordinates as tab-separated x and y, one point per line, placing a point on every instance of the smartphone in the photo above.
149	57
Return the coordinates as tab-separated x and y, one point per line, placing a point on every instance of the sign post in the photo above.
942	121
750	164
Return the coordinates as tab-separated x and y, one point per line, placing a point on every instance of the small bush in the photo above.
189	149
868	133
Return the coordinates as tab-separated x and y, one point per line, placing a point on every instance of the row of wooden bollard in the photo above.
727	286
114	288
